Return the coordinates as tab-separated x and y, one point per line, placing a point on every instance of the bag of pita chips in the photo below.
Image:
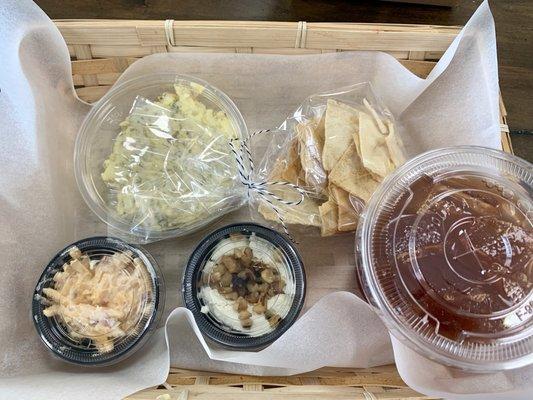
325	162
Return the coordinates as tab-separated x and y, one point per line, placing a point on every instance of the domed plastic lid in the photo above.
245	285
97	301
445	254
153	158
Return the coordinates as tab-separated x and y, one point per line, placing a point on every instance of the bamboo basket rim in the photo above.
94	66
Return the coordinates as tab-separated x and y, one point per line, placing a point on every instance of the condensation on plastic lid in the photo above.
445	253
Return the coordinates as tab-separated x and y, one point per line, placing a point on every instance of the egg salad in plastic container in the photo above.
153	157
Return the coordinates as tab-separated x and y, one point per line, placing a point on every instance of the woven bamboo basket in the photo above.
102	49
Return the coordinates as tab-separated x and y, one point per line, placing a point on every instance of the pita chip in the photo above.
347	216
341	126
350	175
306	213
395	146
311	142
381	126
329	216
373	147
288	168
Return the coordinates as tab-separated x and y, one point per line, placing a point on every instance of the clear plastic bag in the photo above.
167	166
324	162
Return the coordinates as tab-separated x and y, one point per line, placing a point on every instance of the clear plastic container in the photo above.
445	255
245	285
98	301
153	160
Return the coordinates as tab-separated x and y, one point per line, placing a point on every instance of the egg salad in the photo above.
171	165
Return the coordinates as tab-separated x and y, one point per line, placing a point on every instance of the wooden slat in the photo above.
419	68
261	34
201	380
223	33
503	110
385	376
507	145
401	55
310	392
108	79
102	65
200	49
83	52
417	55
106	51
102	51
77	80
386	37
252	387
103	32
433	55
71	50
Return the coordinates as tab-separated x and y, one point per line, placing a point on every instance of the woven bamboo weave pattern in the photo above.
102	49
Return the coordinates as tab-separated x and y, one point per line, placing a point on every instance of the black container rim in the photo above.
44	325
197	261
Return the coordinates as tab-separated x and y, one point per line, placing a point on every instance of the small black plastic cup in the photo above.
56	336
217	331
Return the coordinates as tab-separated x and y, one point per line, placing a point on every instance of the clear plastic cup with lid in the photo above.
445	255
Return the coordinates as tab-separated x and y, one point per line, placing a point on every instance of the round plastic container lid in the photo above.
157	185
68	340
445	255
271	247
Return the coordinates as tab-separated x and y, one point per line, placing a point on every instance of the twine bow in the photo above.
262	188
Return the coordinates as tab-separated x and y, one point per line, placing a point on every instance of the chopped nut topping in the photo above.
245	279
246	323
259	308
241	304
230	263
232	296
267	275
244	315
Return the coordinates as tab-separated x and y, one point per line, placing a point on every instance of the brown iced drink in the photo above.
455	253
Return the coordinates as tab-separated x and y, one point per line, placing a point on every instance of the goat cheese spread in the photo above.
246	286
